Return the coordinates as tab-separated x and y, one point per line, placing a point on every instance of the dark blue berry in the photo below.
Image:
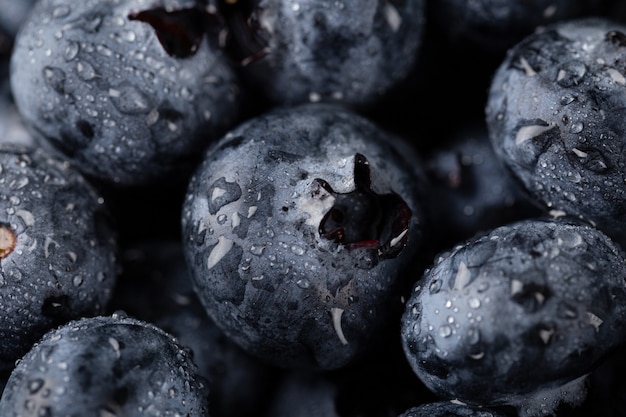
298	229
496	25
155	286
448	409
519	316
101	82
350	51
106	366
555	117
57	248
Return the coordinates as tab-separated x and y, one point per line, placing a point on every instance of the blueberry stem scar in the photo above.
365	219
7	241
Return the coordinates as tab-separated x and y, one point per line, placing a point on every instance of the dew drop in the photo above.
55	78
445	331
576	127
303	283
130	100
71	50
61	11
571	74
85	71
35	385
435	286
473	302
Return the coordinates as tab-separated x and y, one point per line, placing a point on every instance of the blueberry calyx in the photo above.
7	241
180	32
363	218
246	40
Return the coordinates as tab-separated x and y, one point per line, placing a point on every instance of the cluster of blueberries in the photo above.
338	208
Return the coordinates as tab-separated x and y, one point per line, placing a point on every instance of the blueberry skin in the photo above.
57	248
496	25
448	409
94	81
267	260
471	191
106	365
155	286
518	316
351	52
554	114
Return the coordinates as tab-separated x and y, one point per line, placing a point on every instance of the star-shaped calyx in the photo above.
365	219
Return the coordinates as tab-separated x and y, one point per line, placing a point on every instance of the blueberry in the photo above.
448	409
106	366
471	190
519	316
57	248
351	51
104	83
299	227
155	286
496	25
555	118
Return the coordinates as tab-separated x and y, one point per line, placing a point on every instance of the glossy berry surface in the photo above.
106	366
57	248
349	52
555	116
155	286
518	316
104	82
297	228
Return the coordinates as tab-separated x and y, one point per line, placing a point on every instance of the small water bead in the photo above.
473	303
435	286
303	283
85	71
35	385
445	331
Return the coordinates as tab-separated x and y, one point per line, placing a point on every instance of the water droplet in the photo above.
129	100
55	78
303	283
473	303
77	281
576	127
257	250
567	99
571	74
71	50
298	250
445	331
35	385
61	11
473	336
85	71
435	286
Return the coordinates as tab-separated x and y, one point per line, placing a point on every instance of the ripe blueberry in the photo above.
106	366
99	81
57	248
298	229
555	117
519	316
349	52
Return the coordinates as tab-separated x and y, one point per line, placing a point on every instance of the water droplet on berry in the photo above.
55	78
71	50
129	100
303	283
61	11
473	302
85	71
435	286
445	331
